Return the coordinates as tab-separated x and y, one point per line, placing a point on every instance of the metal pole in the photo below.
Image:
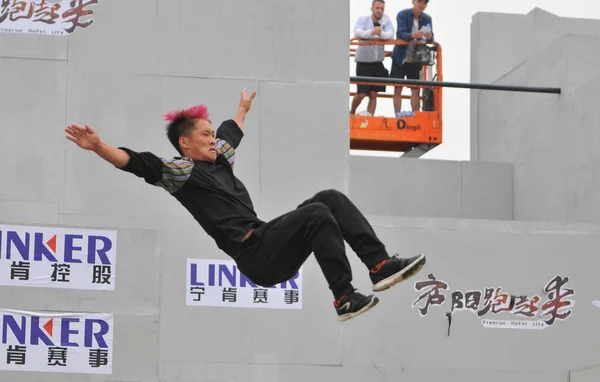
396	81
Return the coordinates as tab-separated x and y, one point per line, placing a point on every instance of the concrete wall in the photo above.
171	342
163	54
139	60
550	140
588	374
471	255
135	304
447	189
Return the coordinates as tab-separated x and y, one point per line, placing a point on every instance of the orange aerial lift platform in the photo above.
422	131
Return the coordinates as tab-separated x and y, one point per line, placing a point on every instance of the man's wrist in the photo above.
241	113
99	147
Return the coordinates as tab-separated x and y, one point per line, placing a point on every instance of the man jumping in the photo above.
267	253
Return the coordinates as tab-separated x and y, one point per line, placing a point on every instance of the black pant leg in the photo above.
275	251
356	230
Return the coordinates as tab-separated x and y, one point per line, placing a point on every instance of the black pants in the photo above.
276	250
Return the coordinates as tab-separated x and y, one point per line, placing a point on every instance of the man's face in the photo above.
419	6
200	144
378	8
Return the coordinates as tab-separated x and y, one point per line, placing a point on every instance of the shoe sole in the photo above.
347	316
411	270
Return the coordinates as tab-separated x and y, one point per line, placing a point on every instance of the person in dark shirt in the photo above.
267	253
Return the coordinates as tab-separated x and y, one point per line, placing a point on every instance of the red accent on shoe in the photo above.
378	267
338	302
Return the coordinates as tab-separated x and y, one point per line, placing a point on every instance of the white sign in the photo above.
56	342
514	324
43	17
554	305
220	283
52	257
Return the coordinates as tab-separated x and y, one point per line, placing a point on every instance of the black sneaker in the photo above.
394	270
354	304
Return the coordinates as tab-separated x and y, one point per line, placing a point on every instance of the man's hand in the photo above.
84	137
244	108
417	34
376	31
245	102
88	139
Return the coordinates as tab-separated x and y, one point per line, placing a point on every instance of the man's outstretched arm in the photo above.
244	108
230	133
170	174
88	139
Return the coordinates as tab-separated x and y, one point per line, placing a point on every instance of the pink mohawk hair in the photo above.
195	112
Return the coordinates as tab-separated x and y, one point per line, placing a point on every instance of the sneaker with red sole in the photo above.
394	270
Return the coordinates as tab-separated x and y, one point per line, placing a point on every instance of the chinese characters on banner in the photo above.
220	283
56	342
553	305
52	257
45	17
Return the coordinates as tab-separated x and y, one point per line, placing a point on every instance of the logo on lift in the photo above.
402	125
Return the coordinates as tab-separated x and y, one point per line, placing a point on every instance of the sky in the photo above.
452	28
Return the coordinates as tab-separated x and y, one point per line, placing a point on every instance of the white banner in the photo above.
52	257
56	342
220	283
43	17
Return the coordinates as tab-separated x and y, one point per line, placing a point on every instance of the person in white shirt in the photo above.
369	58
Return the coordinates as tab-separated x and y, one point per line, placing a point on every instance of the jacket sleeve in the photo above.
229	136
387	31
361	30
404	32
169	174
